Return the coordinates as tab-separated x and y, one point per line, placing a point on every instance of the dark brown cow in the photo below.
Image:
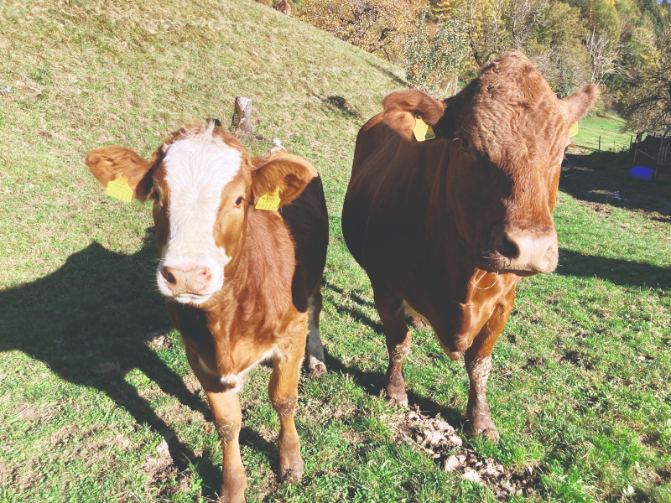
446	227
241	283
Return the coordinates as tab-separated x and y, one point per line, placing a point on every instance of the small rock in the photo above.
163	450
472	476
451	464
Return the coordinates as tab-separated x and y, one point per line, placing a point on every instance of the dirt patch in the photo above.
160	468
158	340
29	414
29	475
7	473
534	362
316	411
62	435
440	440
577	359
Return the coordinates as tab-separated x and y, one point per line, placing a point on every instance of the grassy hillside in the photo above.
97	402
607	127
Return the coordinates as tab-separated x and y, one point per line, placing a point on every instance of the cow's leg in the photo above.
314	351
227	420
283	391
399	338
478	365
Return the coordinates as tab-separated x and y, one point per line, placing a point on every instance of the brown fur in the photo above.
428	221
277	261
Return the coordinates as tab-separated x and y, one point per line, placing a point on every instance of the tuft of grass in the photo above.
97	400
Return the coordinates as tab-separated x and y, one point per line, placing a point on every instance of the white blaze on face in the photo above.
197	170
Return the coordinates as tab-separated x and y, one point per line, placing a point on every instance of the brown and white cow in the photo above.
446	227
241	284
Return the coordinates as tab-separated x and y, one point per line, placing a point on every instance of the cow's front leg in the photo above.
227	420
399	340
283	391
479	364
477	411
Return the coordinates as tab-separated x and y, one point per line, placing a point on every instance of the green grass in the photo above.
580	388
609	128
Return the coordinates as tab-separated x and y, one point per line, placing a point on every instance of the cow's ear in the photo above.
403	108
579	104
108	164
286	172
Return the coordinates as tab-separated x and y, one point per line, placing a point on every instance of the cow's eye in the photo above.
464	143
154	194
239	200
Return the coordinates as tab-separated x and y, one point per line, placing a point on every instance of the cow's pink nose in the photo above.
186	278
529	250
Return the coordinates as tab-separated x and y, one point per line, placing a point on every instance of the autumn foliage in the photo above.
377	26
622	45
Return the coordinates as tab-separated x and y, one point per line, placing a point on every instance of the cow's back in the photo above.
385	207
307	220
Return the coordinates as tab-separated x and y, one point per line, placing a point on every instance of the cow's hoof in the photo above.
293	474
398	395
489	432
315	367
231	497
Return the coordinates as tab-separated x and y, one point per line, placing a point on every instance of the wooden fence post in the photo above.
242	115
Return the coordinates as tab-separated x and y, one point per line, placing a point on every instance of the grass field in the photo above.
97	402
609	128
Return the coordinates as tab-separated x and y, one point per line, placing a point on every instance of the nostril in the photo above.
168	276
204	276
508	248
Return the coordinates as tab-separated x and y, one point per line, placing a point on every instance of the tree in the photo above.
436	54
602	53
484	22
647	103
377	26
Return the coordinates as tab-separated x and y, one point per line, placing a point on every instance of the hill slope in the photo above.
87	74
97	400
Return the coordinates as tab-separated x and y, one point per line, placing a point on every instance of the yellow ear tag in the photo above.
269	201
120	189
573	130
422	130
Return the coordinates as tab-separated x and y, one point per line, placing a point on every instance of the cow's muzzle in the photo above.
524	251
187	280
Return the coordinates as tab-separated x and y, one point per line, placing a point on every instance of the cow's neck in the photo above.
459	297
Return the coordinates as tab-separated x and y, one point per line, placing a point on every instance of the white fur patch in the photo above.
197	170
314	348
236	381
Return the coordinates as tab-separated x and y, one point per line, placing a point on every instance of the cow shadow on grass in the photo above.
600	178
617	271
88	322
373	383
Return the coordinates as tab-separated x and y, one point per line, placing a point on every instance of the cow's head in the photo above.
508	133
202	184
